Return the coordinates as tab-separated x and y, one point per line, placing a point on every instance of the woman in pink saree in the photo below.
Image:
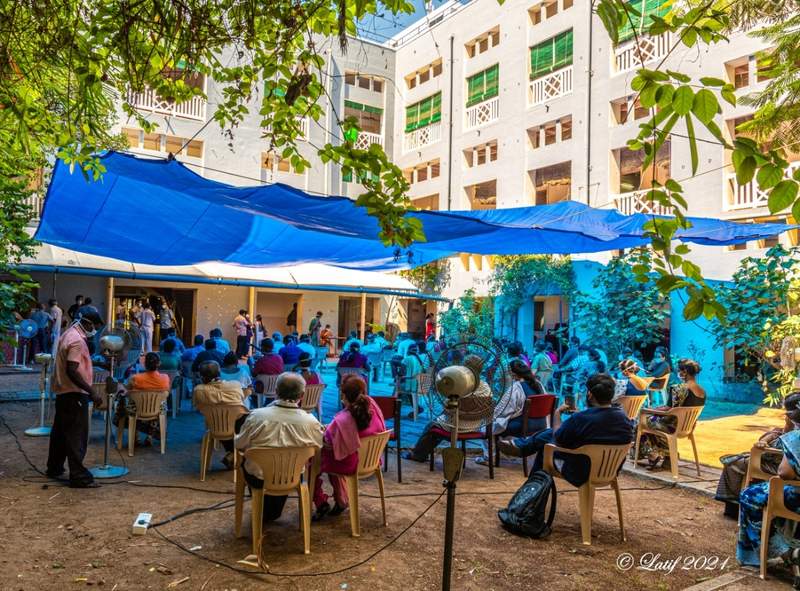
359	418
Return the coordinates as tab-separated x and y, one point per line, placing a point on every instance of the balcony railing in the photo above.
35	202
651	48
424	136
637	202
736	196
554	85
366	139
304	127
148	100
482	113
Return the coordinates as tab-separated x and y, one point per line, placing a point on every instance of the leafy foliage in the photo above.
516	278
470	317
431	277
622	311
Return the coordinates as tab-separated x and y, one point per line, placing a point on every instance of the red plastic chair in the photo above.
464	437
538	406
390	407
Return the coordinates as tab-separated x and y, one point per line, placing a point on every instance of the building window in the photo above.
361	81
641	24
551	55
274	163
483	85
740	246
479	155
367	117
483	43
632	177
483	195
429	203
566	128
424	112
159	142
621	110
548	133
423	172
425	74
552	184
741	76
547	10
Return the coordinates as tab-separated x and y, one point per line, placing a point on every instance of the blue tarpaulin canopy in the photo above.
159	212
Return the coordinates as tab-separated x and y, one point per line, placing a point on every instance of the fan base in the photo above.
38	432
108	471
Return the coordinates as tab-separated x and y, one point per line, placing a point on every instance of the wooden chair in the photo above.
605	462
266	387
775	507
686	419
174	389
312	399
463	438
282	471
369	464
390	408
538	406
754	471
220	420
632	405
148	406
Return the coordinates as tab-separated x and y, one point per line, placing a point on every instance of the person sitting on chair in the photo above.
194	351
149	379
214	390
269	364
469	406
169	356
210	353
360	417
635	385
408	377
279	424
306	347
310	376
353	358
223	346
600	423
234	371
659	368
290	353
171	336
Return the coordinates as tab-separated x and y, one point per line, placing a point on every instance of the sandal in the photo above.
337	510
321	511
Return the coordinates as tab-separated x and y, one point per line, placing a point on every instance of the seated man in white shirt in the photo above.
280	424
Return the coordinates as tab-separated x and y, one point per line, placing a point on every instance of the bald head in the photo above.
290	386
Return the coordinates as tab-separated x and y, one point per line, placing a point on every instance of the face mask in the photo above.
88	332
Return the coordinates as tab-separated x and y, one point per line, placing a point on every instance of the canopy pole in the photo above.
251	301
363	315
300	302
110	302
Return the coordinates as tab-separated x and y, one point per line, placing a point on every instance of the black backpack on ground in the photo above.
525	514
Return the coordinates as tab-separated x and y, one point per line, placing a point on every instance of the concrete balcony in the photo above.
482	113
148	100
424	136
748	196
554	85
366	139
637	202
627	56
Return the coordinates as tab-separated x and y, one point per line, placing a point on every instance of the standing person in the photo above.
166	319
56	318
148	323
72	311
291	319
430	325
42	320
136	314
314	329
541	364
72	386
261	331
88	306
250	332
240	324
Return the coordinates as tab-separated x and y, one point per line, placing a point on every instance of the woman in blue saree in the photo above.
753	499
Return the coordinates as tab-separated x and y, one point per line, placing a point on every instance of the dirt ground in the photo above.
55	537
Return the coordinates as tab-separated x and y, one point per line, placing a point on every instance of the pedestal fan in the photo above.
26	329
44	360
458	396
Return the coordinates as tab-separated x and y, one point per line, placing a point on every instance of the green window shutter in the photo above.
562	50
347	176
542	59
475	88
425	112
492	82
643	22
436	107
412	117
365	108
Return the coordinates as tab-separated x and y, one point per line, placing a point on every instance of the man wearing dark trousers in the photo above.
72	386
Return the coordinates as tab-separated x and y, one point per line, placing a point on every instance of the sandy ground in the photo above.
60	538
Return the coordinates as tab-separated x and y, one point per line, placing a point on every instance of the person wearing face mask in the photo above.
72	386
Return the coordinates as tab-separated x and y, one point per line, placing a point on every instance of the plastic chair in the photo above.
174	389
265	387
684	429
282	471
148	405
99	386
463	438
632	405
390	408
424	385
538	406
775	507
386	358
754	471
220	421
312	399
369	464
605	462
320	358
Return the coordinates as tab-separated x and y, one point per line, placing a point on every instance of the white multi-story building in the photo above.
489	106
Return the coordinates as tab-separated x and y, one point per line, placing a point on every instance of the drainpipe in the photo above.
589	110
450	134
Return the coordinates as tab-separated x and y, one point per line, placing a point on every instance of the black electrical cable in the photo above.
19	446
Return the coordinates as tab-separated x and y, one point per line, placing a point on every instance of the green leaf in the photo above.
682	249
729	96
682	100
708	81
679	76
692	144
689	37
768	176
693	308
782	196
796	211
705	105
664	96
745	170
647	97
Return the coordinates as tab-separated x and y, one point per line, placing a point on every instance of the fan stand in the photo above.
453	460
41	430
106	470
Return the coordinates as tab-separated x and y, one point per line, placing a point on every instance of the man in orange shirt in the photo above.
72	386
